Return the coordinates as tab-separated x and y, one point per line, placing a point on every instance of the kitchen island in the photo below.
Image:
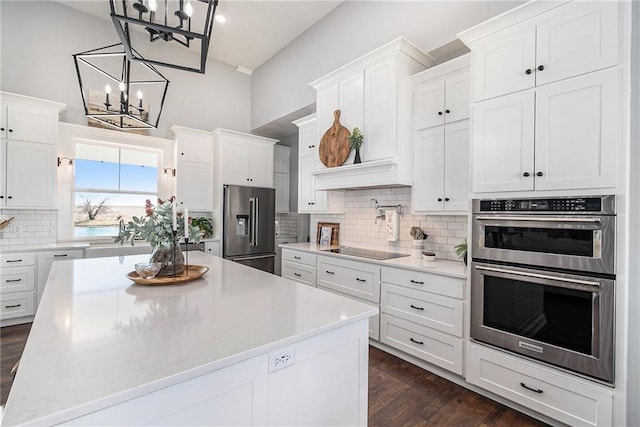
238	346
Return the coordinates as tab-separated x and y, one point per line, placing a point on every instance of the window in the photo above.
111	183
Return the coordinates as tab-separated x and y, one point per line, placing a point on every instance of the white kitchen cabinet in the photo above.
570	40
281	240
576	128
25	119
423	315
441	169
374	94
281	177
244	159
358	279
311	200
563	397
194	168
299	266
46	260
29	174
212	247
17	288
441	94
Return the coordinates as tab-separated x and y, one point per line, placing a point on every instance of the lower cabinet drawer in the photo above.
374	322
16	304
424	343
427	309
299	257
352	278
299	273
558	395
17	279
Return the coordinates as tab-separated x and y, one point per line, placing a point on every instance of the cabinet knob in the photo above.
247	179
539	173
528	71
439	113
10	130
447	111
310	146
525	174
540	67
182	154
9	197
2	129
439	199
1	197
446	199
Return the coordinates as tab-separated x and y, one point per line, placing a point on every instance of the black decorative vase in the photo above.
357	158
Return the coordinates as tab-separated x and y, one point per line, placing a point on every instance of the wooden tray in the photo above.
334	145
193	272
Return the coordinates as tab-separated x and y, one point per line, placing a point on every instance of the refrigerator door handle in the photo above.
256	219
252	221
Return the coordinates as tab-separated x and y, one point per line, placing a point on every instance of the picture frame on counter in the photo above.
328	233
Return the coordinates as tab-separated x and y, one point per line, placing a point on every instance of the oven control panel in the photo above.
574	204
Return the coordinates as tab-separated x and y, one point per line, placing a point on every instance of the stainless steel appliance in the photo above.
543	280
249	226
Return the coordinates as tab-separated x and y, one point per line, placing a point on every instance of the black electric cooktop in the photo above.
365	253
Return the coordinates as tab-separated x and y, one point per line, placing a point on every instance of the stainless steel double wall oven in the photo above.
543	280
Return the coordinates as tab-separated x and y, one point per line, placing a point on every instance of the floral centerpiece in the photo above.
163	231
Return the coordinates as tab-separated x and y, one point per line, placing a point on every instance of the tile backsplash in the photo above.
29	226
358	225
287	224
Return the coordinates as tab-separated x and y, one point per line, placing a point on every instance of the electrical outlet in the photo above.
282	358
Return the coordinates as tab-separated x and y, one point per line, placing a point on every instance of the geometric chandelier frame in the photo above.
117	92
180	21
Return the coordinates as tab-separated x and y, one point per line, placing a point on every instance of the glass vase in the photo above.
171	257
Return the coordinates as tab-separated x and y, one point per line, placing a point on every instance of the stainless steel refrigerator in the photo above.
249	217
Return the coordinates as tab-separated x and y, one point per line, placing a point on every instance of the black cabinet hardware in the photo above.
416	341
439	113
417	282
14	260
13	280
540	67
297	274
447	111
13	306
525	174
446	199
417	308
60	255
330	272
528	71
535	390
439	199
1	197
539	174
10	130
9	197
2	129
297	257
361	280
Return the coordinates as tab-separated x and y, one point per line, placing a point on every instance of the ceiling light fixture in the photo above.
101	71
167	20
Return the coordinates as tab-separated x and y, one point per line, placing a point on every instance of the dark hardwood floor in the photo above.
400	394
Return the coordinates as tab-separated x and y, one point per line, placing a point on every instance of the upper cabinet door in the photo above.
503	143
261	167
327	101
380	111
351	101
429	105
429	168
577	39
29	174
456	166
577	132
31	123
235	153
195	147
457	103
504	62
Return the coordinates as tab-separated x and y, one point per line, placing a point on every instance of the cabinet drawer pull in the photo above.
417	282
361	280
416	341
296	257
535	390
13	280
14	260
297	274
13	306
330	272
417	308
60	255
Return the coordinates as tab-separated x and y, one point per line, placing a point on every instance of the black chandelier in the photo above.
168	20
103	71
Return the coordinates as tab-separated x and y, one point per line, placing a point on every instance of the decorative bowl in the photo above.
148	270
428	256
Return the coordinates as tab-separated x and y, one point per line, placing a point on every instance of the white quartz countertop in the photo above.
443	267
98	339
43	247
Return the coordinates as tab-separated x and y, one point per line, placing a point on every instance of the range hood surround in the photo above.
376	173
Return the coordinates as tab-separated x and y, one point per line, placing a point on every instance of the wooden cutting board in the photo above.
334	145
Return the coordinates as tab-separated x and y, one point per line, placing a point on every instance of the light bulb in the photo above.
121	86
107	89
139	94
153	5
188	9
221	19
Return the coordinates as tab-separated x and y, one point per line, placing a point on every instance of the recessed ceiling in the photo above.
254	30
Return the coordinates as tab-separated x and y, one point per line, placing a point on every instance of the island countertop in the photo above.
98	339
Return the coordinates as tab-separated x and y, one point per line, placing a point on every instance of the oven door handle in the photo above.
540	276
538	219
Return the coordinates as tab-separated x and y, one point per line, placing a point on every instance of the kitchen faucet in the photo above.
381	215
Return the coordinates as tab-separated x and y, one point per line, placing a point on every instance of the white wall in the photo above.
39	37
633	379
354	28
